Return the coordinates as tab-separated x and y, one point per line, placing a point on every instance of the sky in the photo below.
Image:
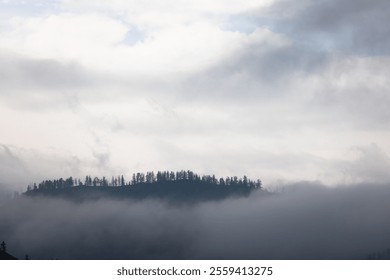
281	90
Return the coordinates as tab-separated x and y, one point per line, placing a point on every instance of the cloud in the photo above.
32	84
281	90
154	14
65	35
306	222
39	74
371	164
20	167
267	66
354	27
224	88
355	89
101	42
11	166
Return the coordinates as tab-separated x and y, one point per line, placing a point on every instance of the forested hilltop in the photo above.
175	186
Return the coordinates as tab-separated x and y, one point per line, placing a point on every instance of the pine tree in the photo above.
3	247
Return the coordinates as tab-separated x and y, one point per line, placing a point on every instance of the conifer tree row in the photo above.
145	178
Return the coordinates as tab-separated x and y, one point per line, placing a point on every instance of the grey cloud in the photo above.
270	62
372	165
355	94
20	167
37	84
104	229
352	26
11	167
341	89
306	221
317	29
5	193
256	72
102	158
20	72
41	84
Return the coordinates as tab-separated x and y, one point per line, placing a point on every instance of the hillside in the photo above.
6	256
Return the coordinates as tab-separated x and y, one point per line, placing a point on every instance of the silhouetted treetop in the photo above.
180	185
148	177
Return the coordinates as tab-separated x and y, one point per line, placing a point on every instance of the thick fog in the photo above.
306	221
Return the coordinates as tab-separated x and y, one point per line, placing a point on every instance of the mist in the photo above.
305	221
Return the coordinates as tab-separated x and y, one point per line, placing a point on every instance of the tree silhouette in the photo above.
3	247
149	178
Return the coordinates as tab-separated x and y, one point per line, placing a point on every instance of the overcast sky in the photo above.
282	90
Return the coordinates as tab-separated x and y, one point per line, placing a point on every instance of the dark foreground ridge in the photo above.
4	254
181	186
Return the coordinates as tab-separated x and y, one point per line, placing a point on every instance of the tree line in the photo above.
145	178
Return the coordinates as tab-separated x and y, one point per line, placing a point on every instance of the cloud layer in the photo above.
307	221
